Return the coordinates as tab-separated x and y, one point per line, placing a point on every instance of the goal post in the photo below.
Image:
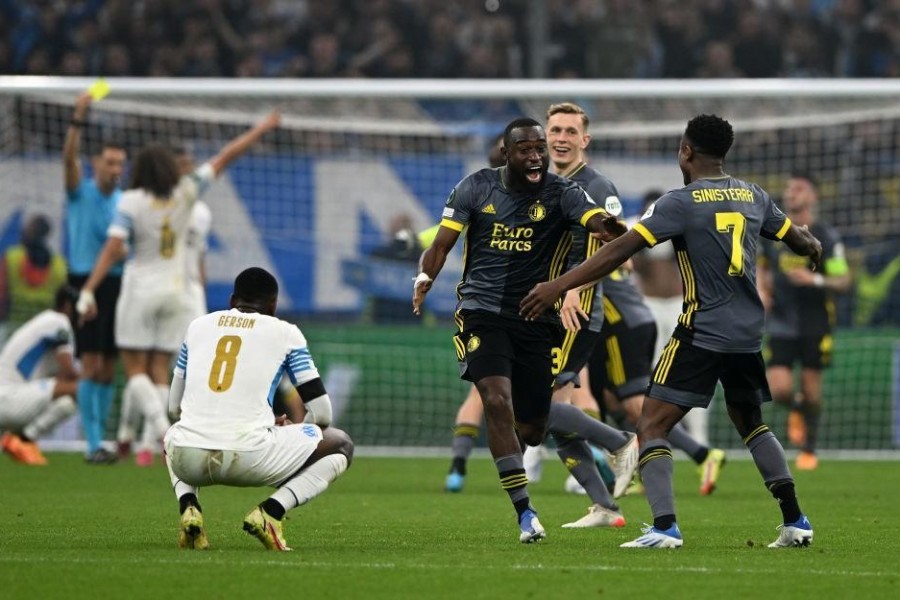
331	201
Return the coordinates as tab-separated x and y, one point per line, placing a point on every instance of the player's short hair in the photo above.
154	169
255	284
518	124
806	176
65	293
569	108
710	134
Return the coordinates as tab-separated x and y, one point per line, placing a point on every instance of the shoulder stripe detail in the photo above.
451	225
784	229
586	216
645	233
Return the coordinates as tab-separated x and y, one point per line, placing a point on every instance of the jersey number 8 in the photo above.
221	375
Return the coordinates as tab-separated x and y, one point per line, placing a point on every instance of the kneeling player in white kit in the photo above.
227	370
32	402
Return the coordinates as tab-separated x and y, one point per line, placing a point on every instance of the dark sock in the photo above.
464	436
522	505
811	416
514	481
273	508
657	467
663	522
681	439
24	437
188	500
770	461
787	500
566	419
579	460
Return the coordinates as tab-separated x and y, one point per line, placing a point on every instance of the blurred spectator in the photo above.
467	38
30	274
756	52
718	62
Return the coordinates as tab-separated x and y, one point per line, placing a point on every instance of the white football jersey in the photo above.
156	230
29	353
232	362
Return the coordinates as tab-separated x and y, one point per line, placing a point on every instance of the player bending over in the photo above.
224	383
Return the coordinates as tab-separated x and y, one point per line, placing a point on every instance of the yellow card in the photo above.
99	89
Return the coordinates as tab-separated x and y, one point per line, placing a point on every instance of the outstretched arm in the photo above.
431	263
239	145
606	226
601	264
71	164
804	243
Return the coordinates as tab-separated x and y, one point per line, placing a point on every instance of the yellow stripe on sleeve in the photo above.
645	233
451	225
784	229
586	216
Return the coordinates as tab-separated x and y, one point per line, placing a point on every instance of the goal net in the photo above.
332	201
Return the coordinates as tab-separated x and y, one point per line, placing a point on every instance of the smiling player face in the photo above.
527	157
567	140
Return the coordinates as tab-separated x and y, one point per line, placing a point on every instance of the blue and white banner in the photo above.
309	219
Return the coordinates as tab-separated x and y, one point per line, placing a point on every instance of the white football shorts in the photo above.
281	453
21	403
151	322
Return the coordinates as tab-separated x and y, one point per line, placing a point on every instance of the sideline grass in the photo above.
386	530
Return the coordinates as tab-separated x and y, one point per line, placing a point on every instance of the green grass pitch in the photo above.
386	530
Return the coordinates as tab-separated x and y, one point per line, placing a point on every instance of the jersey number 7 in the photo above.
733	222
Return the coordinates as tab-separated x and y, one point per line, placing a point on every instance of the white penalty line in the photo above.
433	566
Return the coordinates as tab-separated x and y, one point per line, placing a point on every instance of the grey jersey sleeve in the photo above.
458	209
577	206
663	220
775	223
602	191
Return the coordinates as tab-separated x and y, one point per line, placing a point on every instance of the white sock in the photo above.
147	400
126	431
163	391
182	488
312	481
60	409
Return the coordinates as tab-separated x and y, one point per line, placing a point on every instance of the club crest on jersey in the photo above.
537	212
473	343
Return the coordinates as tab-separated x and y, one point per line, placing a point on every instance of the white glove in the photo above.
86	301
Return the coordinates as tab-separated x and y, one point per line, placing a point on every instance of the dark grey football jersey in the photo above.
603	192
803	310
714	225
514	240
622	302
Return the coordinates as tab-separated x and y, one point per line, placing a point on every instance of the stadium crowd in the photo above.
434	38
